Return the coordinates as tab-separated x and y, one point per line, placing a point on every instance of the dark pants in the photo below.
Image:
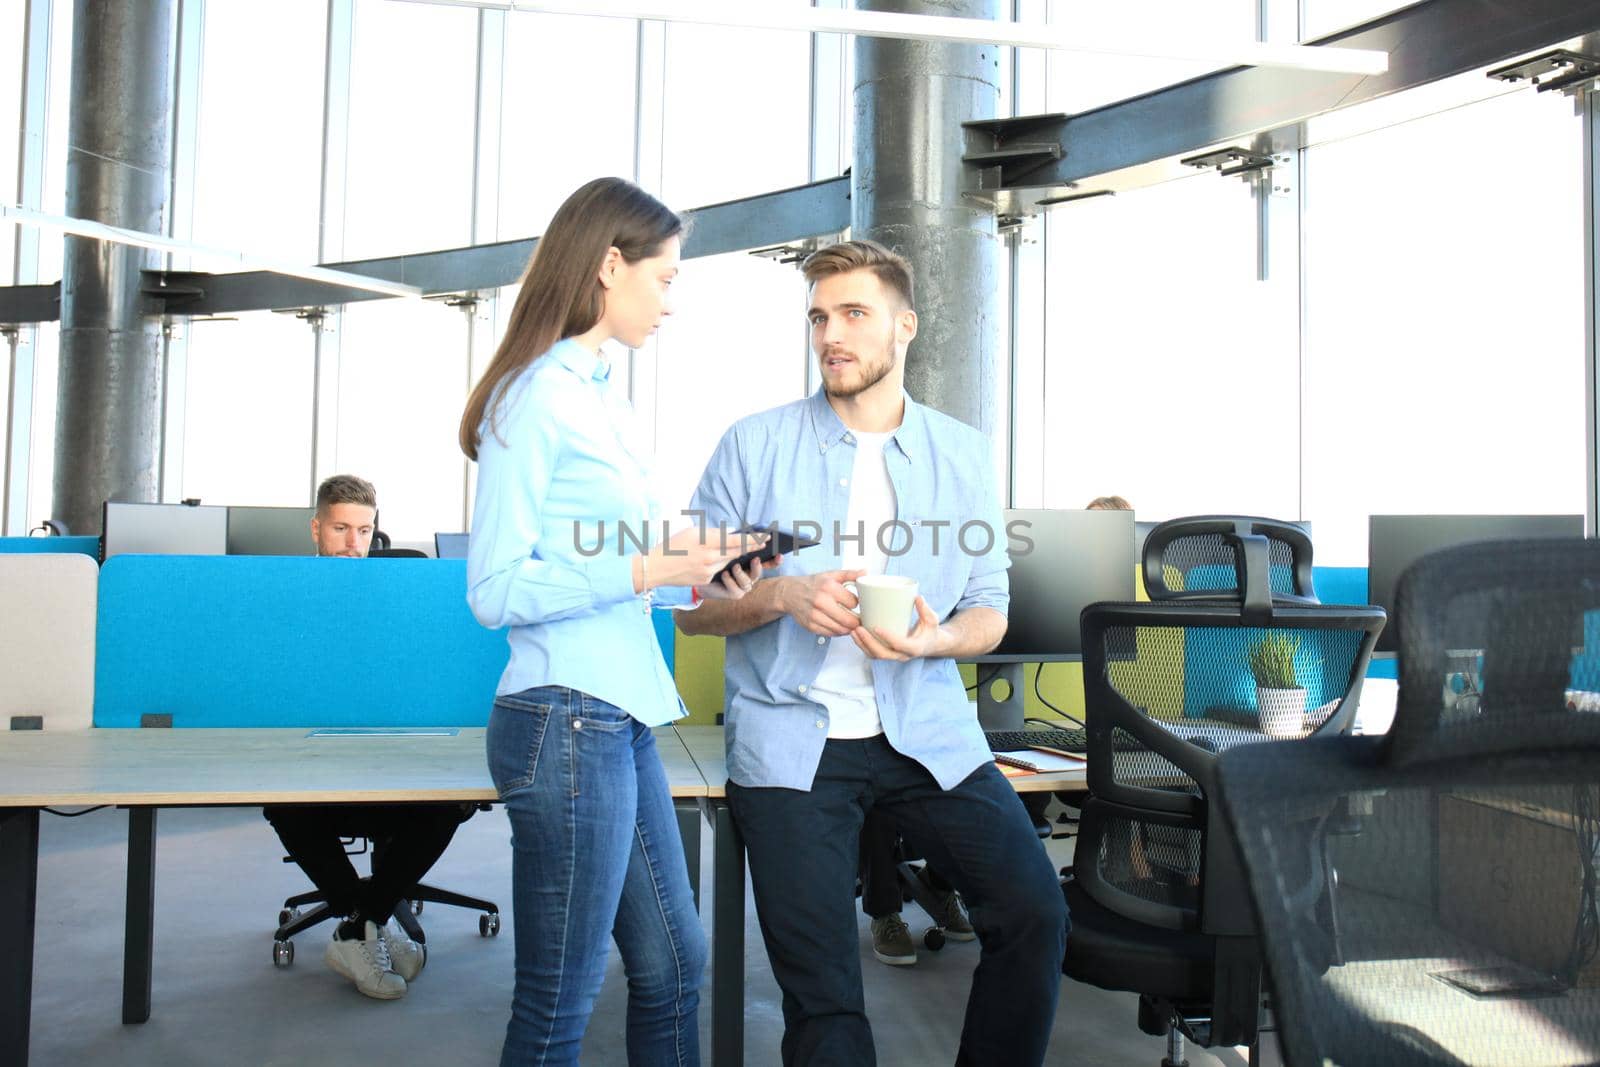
406	841
804	853
880	876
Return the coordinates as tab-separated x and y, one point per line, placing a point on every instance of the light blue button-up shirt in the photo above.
793	465
563	499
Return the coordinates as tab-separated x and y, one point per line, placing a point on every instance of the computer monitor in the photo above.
1076	559
1394	542
450	545
163	530
259	531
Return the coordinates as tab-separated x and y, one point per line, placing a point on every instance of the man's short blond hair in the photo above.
891	268
345	489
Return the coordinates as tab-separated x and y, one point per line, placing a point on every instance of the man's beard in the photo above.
871	374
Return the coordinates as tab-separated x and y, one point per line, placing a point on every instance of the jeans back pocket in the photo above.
518	726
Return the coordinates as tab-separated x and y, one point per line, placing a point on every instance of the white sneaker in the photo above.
406	957
366	963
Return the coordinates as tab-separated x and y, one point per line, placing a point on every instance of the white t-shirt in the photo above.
844	685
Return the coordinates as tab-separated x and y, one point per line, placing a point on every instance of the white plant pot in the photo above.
1283	711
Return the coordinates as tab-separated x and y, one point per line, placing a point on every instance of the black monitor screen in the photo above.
1062	561
1394	542
270	531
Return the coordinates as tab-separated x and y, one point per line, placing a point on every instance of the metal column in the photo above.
906	186
108	423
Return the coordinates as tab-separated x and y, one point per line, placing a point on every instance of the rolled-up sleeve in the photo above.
508	582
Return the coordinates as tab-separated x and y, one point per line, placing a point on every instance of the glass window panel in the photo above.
735	344
258	160
413	83
54	199
11	42
42	448
546	152
1444	321
1322	17
1171	373
1080	81
402	385
738	112
247	411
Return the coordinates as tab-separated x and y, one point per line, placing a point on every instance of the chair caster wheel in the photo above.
489	924
934	939
282	953
416	907
287	916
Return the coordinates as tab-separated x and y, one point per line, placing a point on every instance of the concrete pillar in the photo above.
906	183
108	416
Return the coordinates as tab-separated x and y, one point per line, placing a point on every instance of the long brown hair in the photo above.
561	295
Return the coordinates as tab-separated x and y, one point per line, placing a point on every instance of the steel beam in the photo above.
1139	141
755	222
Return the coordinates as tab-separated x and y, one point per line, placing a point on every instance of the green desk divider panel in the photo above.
81	546
254	641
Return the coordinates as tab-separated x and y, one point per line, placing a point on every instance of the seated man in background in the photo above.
366	948
881	897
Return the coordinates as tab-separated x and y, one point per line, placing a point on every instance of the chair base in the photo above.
403	914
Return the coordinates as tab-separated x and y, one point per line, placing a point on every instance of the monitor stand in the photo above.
995	713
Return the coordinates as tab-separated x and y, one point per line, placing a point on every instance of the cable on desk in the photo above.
1049	705
74	814
981	682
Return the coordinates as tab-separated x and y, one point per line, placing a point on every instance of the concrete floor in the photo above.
219	1000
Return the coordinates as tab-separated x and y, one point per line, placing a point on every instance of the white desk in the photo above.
148	769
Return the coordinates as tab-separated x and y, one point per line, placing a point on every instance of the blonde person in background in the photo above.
596	851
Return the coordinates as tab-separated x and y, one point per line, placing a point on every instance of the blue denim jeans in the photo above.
595	855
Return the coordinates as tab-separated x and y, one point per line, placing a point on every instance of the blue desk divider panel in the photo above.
85	546
666	634
285	641
1340	585
1206	687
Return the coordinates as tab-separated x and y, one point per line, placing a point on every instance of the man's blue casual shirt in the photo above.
793	465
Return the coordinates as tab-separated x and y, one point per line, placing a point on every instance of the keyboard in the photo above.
1016	740
1068	740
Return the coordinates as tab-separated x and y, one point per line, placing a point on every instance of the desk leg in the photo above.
19	890
727	938
689	830
139	930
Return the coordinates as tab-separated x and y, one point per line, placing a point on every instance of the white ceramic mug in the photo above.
887	601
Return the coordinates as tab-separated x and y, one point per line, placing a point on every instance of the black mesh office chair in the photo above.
1158	901
292	920
1198	556
1468	919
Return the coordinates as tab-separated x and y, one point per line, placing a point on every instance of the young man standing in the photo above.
827	721
366	948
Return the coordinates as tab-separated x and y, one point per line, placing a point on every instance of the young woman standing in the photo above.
555	556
